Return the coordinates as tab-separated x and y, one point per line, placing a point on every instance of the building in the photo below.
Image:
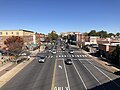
28	36
106	46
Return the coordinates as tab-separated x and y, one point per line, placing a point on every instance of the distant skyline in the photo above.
43	16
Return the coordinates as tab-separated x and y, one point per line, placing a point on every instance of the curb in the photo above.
103	63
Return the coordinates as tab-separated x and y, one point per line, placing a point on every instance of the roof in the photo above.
18	30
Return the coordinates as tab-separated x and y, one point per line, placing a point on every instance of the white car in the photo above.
71	51
53	52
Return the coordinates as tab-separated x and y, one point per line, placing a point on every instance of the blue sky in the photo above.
61	15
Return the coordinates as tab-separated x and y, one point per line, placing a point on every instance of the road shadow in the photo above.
117	73
112	85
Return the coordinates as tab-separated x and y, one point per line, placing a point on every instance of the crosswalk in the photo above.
61	59
64	56
60	51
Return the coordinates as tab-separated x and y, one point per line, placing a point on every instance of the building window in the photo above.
6	33
17	33
12	32
0	33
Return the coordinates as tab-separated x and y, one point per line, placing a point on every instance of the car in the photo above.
71	51
49	50
41	59
63	48
53	52
68	61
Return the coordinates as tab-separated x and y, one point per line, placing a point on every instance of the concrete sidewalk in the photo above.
10	74
105	64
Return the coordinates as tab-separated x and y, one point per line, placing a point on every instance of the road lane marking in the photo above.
91	73
60	66
66	75
104	73
80	76
53	79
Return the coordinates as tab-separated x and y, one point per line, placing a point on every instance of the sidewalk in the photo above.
10	74
105	64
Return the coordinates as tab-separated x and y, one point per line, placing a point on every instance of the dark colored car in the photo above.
68	61
41	59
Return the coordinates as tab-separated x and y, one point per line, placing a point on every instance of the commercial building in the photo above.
29	37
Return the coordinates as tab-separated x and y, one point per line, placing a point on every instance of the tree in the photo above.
110	34
86	34
65	37
92	33
14	44
116	55
102	34
117	34
53	36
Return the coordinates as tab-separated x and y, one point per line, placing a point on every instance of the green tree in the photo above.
110	34
14	44
102	34
53	36
65	37
116	55
92	33
86	34
117	34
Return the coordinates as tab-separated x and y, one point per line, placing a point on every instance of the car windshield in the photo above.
42	57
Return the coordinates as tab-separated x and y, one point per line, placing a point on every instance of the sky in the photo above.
43	16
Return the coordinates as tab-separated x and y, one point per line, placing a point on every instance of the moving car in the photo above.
53	52
41	59
71	51
68	61
63	48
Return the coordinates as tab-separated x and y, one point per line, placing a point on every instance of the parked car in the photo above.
41	59
68	61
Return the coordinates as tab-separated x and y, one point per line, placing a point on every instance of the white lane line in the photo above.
72	55
66	75
82	55
64	55
85	59
91	73
80	76
77	55
104	73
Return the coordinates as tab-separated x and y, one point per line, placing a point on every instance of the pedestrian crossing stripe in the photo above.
61	59
59	56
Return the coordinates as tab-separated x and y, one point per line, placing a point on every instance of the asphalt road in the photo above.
54	74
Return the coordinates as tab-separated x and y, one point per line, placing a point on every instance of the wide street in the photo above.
54	74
